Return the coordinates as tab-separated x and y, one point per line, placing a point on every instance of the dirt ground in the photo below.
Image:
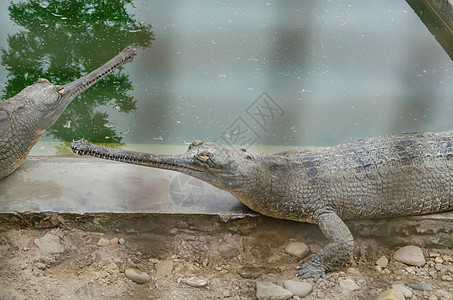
190	257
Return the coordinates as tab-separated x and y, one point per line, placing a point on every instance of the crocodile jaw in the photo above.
55	99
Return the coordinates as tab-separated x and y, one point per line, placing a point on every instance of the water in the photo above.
307	73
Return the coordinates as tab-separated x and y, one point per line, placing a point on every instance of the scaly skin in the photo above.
25	117
398	175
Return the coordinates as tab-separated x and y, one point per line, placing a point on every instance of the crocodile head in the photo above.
223	166
25	117
46	102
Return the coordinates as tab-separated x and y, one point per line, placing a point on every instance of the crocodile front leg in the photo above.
335	253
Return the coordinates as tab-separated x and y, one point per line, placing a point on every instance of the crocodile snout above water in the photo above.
25	117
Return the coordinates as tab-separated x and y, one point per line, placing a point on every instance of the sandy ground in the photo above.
190	257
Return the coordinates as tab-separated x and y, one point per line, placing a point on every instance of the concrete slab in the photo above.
87	185
80	185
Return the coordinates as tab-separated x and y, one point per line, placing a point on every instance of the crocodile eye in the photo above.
204	156
61	90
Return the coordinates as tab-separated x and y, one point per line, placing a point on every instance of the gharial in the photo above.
396	175
25	117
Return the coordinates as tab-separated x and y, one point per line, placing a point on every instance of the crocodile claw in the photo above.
309	270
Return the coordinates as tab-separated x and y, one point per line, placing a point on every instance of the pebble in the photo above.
137	276
103	242
270	291
314	248
349	285
153	260
447	278
353	271
438	266
298	249
406	292
391	294
447	258
410	255
41	265
251	275
228	251
382	261
113	241
122	241
443	295
419	286
195	282
49	244
298	288
439	260
164	268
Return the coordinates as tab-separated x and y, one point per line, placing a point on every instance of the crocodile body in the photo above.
389	176
25	117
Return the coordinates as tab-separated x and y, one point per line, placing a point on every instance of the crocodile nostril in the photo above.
197	143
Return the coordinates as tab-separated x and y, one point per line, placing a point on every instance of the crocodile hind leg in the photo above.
334	254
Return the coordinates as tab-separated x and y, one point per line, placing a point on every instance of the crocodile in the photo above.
386	176
25	117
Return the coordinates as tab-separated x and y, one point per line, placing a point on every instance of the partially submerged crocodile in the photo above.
25	117
398	175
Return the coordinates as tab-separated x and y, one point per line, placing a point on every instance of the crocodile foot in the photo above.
310	270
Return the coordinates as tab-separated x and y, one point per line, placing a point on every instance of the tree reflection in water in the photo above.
64	40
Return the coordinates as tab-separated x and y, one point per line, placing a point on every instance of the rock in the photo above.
122	241
314	248
439	260
406	292
382	261
49	244
447	258
298	249
153	261
419	286
410	255
270	291
137	276
113	241
298	288
391	294
349	285
40	265
250	275
164	268
196	282
103	242
354	272
228	251
447	278
438	266
443	295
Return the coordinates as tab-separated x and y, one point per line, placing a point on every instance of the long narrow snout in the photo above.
179	162
75	88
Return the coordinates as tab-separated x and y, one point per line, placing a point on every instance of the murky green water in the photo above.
256	72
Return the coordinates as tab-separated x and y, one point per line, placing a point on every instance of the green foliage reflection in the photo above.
62	41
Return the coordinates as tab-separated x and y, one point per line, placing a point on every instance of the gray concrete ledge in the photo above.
87	185
55	191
